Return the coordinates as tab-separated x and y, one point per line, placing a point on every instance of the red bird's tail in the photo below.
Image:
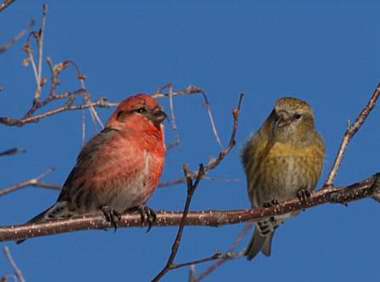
58	210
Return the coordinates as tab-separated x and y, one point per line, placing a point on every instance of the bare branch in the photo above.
216	256
69	106
212	120
87	98
12	152
18	272
210	218
223	260
192	180
4	47
349	134
56	187
191	90
212	164
182	180
83	129
40	47
31	182
70	98
192	274
191	187
5	4
173	123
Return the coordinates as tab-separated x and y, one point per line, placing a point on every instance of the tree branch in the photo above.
190	90
69	106
211	218
349	134
191	187
231	250
4	47
36	182
5	4
193	180
16	269
12	152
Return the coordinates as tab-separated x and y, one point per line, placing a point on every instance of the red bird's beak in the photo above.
159	116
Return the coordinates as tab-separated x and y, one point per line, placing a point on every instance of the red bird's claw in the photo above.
147	215
111	215
303	195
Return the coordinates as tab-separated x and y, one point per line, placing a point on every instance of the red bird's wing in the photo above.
104	162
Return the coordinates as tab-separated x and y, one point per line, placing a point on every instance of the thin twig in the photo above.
349	134
223	260
191	90
83	128
173	122
40	47
213	163
193	180
12	152
4	47
212	120
173	118
70	99
205	218
69	106
16	269
191	187
30	182
182	180
5	4
192	274
57	187
31	60
87	98
216	256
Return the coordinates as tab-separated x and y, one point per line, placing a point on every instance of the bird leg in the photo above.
111	215
303	195
147	215
271	224
267	226
270	204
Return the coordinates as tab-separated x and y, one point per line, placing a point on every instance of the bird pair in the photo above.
119	169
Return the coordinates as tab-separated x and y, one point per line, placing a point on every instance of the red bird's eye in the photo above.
141	110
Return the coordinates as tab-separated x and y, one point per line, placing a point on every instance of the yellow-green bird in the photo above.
282	161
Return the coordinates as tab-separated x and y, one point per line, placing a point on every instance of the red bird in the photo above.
119	169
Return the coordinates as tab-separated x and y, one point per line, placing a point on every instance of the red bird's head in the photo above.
138	112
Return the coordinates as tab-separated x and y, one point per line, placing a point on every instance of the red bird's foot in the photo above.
111	215
147	215
303	195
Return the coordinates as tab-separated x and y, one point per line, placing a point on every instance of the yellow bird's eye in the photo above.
297	116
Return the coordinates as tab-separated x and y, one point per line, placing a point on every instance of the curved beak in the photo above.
158	115
283	119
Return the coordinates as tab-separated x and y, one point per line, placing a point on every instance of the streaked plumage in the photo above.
284	158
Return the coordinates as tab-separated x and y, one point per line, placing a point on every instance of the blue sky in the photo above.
325	52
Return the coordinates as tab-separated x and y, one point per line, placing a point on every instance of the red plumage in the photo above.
118	169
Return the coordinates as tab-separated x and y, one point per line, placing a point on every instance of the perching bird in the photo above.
119	169
282	161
